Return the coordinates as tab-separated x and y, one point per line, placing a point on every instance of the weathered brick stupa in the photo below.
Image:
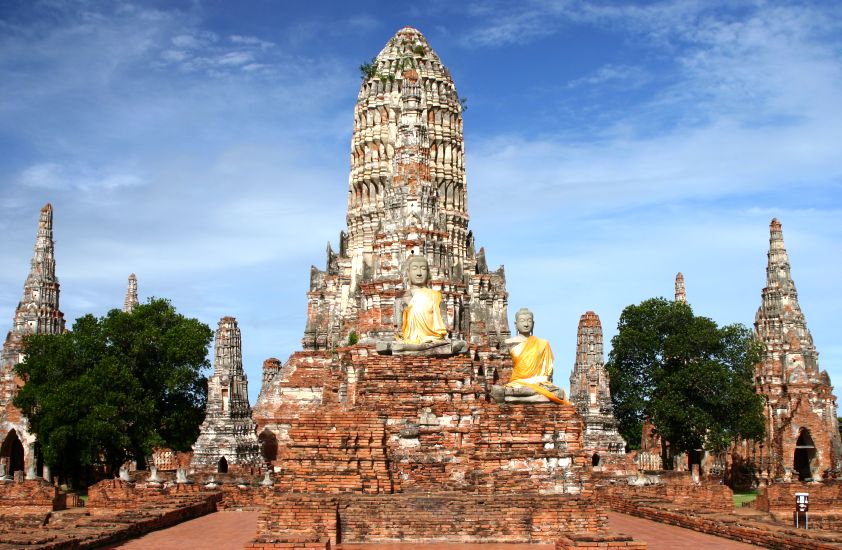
37	313
228	435
591	395
802	440
407	196
369	447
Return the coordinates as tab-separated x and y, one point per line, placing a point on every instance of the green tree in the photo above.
114	388
691	378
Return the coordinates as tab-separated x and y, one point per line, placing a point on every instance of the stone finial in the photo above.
680	292
131	295
124	474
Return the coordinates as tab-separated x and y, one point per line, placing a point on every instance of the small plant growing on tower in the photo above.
463	101
352	338
368	69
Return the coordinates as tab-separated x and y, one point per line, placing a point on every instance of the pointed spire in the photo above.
228	429
131	295
38	311
589	389
778	269
779	322
680	293
228	349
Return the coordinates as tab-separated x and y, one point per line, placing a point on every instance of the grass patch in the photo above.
742	497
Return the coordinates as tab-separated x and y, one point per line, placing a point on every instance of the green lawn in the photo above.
741	497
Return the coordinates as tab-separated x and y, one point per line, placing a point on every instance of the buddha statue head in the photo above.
417	271
524	322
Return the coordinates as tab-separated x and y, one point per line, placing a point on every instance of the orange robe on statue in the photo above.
532	364
422	320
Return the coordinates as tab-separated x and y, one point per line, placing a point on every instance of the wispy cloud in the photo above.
617	75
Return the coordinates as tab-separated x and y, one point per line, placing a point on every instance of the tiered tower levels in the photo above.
591	395
228	431
37	313
802	427
407	196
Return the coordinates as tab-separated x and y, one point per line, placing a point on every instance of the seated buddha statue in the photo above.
421	318
532	366
422	329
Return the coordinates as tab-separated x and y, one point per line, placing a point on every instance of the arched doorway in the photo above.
268	446
222	466
12	452
595	460
805	455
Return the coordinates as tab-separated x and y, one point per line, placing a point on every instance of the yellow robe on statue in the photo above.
422	320
532	364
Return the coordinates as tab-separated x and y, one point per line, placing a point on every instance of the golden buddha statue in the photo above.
532	359
421	318
422	330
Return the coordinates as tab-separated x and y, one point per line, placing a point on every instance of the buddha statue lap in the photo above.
532	367
422	330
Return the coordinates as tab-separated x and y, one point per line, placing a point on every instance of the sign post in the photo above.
802	506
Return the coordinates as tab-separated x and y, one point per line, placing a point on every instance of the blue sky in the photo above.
205	147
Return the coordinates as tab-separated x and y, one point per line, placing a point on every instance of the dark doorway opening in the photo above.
695	457
222	466
12	452
595	460
805	455
268	446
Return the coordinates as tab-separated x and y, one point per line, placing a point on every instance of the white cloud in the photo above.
234	58
51	175
628	76
251	41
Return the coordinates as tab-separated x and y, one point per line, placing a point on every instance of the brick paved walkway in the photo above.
231	530
219	531
659	536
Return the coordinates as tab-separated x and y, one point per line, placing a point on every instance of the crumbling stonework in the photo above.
407	195
227	436
37	313
371	447
802	439
591	395
131	295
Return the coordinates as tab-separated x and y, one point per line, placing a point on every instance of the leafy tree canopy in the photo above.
114	388
692	378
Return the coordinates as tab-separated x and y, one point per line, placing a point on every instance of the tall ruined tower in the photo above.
802	429
131	301
228	435
37	313
591	395
407	196
680	291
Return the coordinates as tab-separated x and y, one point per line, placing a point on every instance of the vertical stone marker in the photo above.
228	436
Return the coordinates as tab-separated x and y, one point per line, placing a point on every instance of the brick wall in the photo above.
780	497
29	493
429	517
